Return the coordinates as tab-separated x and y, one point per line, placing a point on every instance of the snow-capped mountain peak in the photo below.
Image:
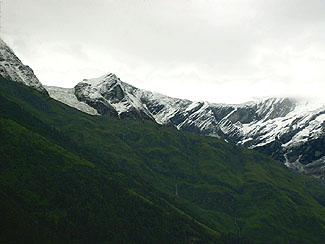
107	78
12	68
110	96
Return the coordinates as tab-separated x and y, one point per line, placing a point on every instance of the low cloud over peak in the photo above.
221	51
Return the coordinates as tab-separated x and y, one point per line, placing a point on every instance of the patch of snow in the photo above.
66	96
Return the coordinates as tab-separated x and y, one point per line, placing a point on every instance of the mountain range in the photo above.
287	129
67	176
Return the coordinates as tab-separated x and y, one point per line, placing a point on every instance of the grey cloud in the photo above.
208	42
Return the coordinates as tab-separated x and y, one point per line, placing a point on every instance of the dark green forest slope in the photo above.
69	177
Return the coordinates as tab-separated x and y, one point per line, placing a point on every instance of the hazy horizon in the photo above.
222	51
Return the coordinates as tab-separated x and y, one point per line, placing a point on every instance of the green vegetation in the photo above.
66	176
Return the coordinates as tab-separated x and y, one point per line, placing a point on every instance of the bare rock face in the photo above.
13	69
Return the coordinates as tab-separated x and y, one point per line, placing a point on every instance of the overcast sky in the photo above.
216	50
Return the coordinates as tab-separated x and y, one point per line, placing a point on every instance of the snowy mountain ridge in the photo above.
289	130
12	68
